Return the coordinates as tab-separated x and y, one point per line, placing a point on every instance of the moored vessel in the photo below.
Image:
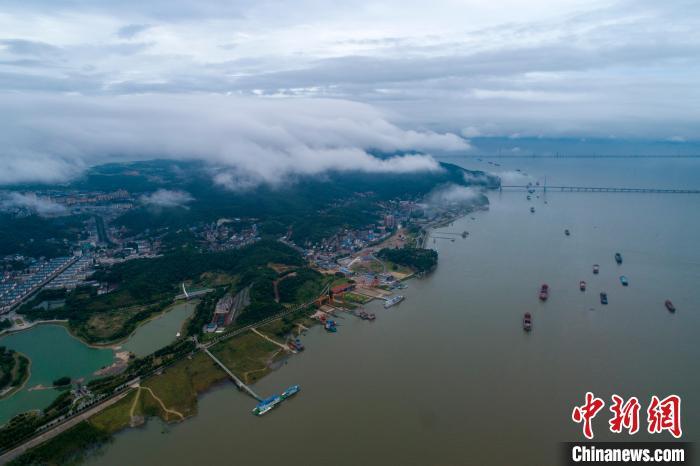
266	405
296	345
291	391
393	301
330	326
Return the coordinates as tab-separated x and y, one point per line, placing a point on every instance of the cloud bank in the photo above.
50	138
572	68
30	201
166	198
452	195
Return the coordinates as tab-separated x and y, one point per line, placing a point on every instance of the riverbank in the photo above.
8	392
176	389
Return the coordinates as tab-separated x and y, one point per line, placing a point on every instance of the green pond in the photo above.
159	332
55	353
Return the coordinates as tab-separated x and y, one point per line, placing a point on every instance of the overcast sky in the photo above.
605	68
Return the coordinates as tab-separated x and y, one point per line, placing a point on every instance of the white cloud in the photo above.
248	140
626	68
167	198
452	195
30	201
513	177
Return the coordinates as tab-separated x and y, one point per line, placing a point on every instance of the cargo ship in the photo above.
618	258
527	322
624	280
544	292
291	391
266	405
669	305
393	301
603	298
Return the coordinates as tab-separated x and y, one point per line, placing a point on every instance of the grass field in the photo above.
247	355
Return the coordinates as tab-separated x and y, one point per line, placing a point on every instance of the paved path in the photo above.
162	405
275	342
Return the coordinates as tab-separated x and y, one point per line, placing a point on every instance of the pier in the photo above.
597	189
239	383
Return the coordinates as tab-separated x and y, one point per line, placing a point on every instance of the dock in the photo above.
239	383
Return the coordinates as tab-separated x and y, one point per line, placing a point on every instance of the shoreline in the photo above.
114	345
15	390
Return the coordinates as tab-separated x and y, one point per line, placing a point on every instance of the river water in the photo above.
448	377
55	353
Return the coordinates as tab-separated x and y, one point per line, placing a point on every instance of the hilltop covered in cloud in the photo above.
246	141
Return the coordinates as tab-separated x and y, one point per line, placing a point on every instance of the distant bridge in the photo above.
580	156
597	189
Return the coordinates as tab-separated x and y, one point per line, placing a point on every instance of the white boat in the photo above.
393	301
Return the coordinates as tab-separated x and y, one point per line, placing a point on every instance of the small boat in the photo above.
596	269
532	209
291	391
624	280
618	258
393	301
544	292
582	285
669	305
330	326
527	322
603	298
529	197
567	232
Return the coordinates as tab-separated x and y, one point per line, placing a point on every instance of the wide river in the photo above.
449	377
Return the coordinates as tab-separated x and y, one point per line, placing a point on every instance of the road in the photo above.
53	432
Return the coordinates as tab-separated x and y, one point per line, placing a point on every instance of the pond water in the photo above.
55	353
